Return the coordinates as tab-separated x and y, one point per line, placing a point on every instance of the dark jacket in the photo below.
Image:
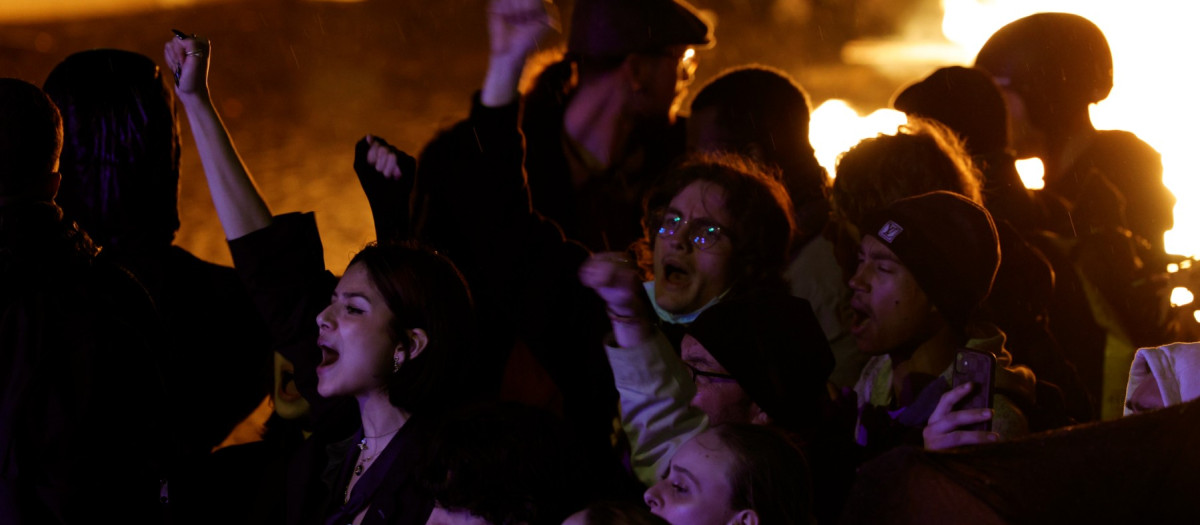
522	271
284	269
83	437
604	212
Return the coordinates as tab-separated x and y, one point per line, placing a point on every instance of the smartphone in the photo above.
974	366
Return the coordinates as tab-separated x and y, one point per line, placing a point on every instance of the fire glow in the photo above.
1151	96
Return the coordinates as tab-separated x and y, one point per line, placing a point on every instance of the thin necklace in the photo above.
364	459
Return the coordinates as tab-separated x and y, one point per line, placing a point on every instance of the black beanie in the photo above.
948	243
772	343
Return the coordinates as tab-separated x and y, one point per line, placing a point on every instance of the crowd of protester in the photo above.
584	306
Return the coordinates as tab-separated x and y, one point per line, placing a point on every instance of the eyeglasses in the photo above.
711	377
703	233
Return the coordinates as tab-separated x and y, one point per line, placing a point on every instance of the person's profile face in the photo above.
890	309
686	276
357	345
696	489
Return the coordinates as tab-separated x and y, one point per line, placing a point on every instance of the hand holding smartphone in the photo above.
978	368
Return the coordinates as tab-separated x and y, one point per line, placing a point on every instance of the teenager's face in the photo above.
357	344
891	311
696	489
685	276
723	399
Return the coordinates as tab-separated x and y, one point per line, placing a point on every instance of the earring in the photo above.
396	368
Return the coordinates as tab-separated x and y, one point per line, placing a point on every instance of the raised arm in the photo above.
516	28
239	204
655	386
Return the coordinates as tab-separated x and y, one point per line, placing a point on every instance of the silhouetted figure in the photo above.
1026	301
120	167
967	101
600	124
1051	67
761	112
84	432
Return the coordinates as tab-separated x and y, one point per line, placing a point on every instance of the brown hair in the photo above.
425	290
923	156
762	231
769	475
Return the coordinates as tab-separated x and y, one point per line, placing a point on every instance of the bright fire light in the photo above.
1181	296
836	127
1153	89
1152	95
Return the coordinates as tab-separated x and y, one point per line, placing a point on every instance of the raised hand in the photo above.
616	280
386	175
188	58
517	27
941	432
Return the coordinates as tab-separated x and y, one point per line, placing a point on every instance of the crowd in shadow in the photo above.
585	307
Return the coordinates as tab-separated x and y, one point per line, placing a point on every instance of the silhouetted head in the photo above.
506	464
762	113
967	101
922	157
31	137
1058	63
120	160
757	111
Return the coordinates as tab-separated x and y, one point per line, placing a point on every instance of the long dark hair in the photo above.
425	290
120	157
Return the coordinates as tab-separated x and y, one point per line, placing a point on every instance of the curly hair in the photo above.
762	233
923	156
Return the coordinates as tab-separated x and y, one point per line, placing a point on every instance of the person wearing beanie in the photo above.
926	263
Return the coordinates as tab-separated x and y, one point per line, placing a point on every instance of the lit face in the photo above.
723	399
357	344
696	489
686	277
443	516
891	311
